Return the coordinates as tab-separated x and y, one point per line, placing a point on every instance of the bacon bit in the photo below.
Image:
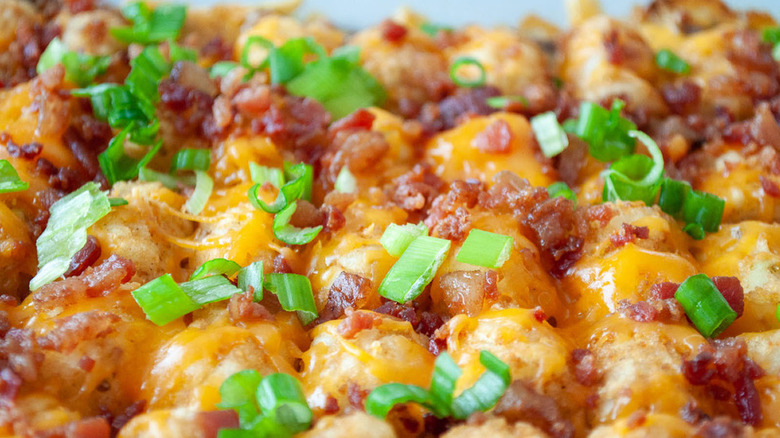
732	291
347	291
360	120
93	282
28	151
723	363
306	215
86	363
720	427
491	284
642	311
119	421
331	405
392	31
602	213
355	322
682	98
69	332
357	396
429	323
770	187
616	53
629	233
281	266
210	422
242	308
415	190
399	311
521	402
539	314
10	382
20	353
585	367
464	103
85	257
761	129
496	138
95	427
663	291
636	419
592	401
334	219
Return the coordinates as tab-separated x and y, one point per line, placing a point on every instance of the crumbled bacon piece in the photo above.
355	322
629	233
69	332
770	187
521	402
415	190
242	308
392	31
585	369
210	422
361	119
93	282
84	258
347	291
496	138
732	291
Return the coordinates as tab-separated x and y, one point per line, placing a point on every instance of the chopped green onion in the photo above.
345	181
635	177
771	35
222	68
606	132
81	69
349	53
551	137
460	81
291	234
286	61
294	293
148	175
246	52
117	165
397	238
703	208
695	230
218	266
776	52
302	172
281	399
262	174
66	231
672	196
149	27
300	177
433	29
488	389
163	300
777	313
117	202
252	276
382	399
340	85
561	189
705	305
667	60
485	393
483	248
209	289
191	159
445	375
239	389
9	179
200	196
414	269
501	102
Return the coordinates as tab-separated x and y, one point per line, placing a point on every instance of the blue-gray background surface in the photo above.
356	14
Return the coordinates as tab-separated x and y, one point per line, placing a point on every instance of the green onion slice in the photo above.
463	82
281	399
445	375
149	175
605	131
200	196
209	289
163	300
66	231
561	189
397	238
432	29
238	392
262	174
218	266
414	269
252	276
382	399
551	137
299	176
222	68
191	159
696	231
294	293
635	177
488	389
704	209
501	102
9	179
669	61
483	248
117	202
345	181
81	69
705	305
117	165
291	234
672	196
246	52
149	27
